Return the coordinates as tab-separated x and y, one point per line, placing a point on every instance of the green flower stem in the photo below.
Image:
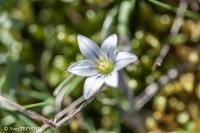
41	104
63	83
74	84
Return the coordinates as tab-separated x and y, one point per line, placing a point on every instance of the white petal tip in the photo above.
114	35
69	69
135	58
88	47
113	85
112	80
123	59
92	85
83	68
86	96
79	35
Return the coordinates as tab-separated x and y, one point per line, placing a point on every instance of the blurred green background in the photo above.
38	42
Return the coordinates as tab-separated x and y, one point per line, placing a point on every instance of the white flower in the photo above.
101	64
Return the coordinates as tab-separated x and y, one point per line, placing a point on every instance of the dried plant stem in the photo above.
62	113
28	113
151	90
42	128
68	109
61	94
69	112
178	21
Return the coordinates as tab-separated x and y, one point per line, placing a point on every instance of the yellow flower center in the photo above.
105	66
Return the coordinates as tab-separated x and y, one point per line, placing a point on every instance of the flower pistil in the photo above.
105	66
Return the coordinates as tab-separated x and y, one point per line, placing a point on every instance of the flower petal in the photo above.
112	79
88	47
109	46
123	59
83	68
92	85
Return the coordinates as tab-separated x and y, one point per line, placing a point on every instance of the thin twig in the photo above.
153	88
126	90
62	84
81	107
28	113
62	113
61	94
178	21
70	111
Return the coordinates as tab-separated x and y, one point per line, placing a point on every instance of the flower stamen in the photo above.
105	66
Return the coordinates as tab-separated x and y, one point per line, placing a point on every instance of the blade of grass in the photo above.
33	94
28	113
125	10
8	120
38	84
89	125
108	23
74	85
26	121
66	91
63	83
188	13
41	104
2	81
